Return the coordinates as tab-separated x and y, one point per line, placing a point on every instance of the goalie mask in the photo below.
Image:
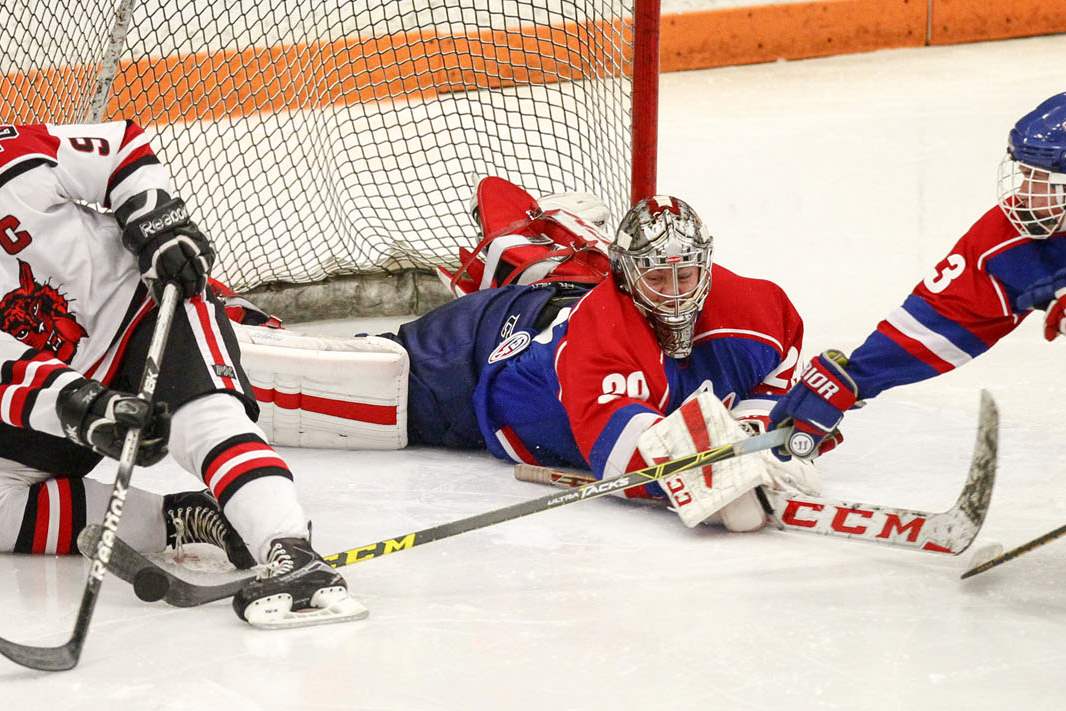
1032	176
661	257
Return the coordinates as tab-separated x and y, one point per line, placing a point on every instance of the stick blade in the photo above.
41	658
977	493
957	529
129	564
950	532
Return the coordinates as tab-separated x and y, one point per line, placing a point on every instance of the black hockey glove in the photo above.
96	417
170	248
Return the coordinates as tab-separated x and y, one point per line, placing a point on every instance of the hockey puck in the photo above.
150	585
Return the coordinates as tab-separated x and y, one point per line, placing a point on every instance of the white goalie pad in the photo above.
725	488
335	393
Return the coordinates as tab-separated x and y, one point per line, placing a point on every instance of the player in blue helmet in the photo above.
1010	262
1032	176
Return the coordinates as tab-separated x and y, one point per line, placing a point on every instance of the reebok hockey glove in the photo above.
814	407
1050	294
170	248
96	417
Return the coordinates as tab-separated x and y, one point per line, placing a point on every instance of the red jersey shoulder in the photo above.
961	271
990	235
605	306
22	143
607	320
745	306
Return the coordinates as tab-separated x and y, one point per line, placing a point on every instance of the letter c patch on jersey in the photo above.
511	346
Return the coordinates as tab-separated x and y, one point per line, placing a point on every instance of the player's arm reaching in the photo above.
1009	262
955	314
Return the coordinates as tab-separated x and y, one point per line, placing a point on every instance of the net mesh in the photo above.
340	137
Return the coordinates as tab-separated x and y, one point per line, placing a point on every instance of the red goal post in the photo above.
316	141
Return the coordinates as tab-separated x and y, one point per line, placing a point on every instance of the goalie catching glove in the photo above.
726	488
169	247
96	417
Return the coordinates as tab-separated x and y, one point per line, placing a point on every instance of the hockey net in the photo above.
313	140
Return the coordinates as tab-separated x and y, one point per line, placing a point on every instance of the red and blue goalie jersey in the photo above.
961	309
586	388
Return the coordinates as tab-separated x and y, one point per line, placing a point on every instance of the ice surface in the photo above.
843	179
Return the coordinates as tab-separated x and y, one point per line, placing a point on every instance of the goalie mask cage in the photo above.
314	140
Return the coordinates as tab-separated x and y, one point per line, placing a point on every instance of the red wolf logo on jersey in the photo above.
39	316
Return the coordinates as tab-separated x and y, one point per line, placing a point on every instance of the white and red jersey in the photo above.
66	282
586	388
961	309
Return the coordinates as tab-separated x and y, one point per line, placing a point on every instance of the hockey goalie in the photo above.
565	346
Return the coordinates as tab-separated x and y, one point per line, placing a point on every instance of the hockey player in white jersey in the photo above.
77	312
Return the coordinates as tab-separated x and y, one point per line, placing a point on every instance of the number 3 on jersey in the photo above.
616	385
940	279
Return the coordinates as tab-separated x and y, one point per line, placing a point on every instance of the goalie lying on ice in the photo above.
647	351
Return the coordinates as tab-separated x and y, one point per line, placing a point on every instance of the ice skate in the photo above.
296	589
194	517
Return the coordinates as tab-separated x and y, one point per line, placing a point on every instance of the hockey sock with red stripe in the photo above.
56	510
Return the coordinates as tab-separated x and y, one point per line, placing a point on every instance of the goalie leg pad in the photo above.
336	393
743	515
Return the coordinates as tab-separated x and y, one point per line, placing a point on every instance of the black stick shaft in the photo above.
66	656
1015	552
592	490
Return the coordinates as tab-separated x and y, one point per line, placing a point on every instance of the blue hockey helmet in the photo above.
1032	176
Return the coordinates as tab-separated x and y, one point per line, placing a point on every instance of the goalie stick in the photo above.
66	656
1015	552
949	532
151	581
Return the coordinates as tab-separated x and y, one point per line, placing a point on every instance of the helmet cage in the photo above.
666	269
1032	198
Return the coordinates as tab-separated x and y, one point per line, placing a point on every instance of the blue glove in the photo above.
1049	294
814	407
1042	292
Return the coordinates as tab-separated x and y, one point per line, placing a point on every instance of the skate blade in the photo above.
275	612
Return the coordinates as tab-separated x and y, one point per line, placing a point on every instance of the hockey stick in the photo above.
950	532
151	582
1015	552
66	656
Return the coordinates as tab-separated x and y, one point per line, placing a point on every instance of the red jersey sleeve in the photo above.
611	378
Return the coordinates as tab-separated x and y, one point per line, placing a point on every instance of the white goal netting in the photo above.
314	139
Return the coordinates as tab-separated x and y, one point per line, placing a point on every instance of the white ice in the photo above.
842	179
